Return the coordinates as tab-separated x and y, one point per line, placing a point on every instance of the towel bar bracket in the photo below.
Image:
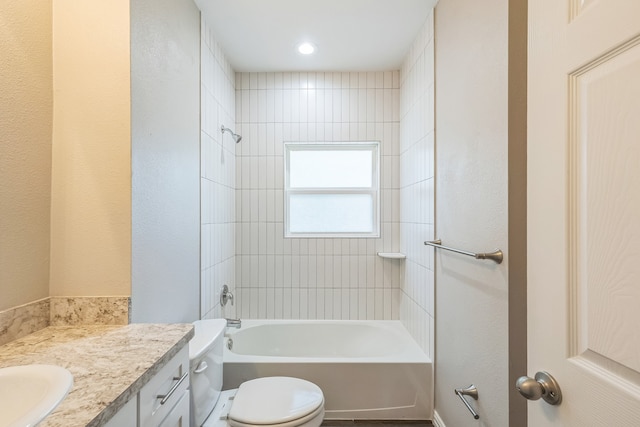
472	392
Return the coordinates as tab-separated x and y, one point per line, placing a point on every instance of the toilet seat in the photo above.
276	402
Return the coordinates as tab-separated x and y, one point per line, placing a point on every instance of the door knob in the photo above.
543	385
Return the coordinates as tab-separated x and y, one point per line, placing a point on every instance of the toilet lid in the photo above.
275	400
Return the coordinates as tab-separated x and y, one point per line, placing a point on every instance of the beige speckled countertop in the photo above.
110	364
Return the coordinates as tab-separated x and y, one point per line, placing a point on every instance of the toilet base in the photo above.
218	417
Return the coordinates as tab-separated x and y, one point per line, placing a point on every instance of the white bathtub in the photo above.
367	369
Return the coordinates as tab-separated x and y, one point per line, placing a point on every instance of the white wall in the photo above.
416	187
91	174
472	122
165	160
313	278
217	176
26	112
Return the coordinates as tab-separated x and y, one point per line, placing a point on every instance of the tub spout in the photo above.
233	323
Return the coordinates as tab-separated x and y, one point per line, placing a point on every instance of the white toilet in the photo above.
264	402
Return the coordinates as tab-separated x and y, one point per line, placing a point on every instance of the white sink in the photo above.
29	393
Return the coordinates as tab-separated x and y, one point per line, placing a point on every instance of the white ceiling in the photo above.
350	35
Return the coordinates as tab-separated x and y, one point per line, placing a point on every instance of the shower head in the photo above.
237	138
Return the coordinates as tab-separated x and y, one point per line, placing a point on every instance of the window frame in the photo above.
374	190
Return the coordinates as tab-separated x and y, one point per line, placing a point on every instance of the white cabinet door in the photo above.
127	416
584	209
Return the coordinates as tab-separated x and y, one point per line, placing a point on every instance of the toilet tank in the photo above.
205	365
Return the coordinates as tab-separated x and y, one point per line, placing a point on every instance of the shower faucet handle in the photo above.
226	296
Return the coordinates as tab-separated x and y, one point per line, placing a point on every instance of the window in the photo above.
331	190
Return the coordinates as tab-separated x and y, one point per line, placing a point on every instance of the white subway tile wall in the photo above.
218	178
282	278
416	202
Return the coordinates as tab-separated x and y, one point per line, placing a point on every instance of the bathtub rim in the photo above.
411	354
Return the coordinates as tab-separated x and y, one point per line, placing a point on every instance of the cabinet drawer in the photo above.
179	415
164	390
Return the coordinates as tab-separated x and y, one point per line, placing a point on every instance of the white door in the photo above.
584	209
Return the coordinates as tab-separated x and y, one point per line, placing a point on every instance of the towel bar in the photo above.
495	256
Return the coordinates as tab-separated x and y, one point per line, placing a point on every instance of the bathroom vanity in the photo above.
118	372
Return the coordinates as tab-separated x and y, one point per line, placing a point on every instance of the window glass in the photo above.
331	213
331	190
330	168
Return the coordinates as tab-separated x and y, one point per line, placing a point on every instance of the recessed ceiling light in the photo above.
306	48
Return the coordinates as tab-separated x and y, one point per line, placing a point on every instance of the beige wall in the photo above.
91	185
165	160
480	200
66	162
25	150
471	208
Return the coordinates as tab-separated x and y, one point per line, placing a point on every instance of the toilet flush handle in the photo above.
202	366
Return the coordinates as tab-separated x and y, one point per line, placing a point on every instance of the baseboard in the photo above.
437	421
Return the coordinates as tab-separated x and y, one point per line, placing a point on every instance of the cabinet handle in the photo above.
202	366
167	396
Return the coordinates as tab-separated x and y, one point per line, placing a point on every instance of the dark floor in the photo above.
374	423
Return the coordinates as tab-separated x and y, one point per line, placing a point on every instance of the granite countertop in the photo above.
110	364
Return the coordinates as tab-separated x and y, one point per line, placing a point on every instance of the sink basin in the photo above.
29	393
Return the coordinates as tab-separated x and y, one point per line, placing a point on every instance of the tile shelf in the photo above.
392	255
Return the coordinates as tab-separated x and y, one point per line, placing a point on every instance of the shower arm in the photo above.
236	137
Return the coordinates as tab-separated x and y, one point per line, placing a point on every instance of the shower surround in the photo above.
242	212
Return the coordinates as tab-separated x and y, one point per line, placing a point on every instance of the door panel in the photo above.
605	209
584	209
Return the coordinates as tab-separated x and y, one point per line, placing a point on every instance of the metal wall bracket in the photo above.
471	391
